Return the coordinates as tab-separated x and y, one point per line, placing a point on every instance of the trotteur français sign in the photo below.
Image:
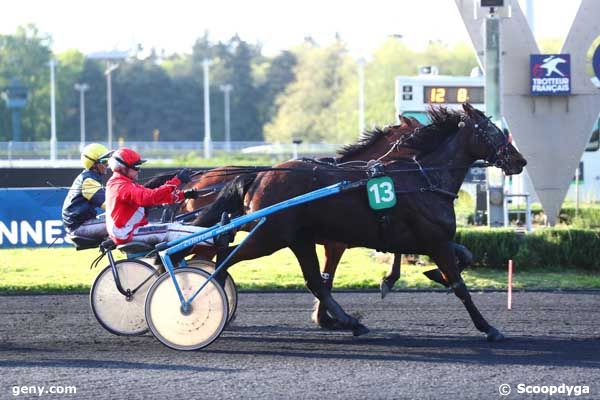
550	74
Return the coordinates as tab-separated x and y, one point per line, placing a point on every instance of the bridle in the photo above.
486	132
496	140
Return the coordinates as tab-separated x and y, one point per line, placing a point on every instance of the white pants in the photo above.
157	233
93	228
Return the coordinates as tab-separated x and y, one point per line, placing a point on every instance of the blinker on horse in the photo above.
423	217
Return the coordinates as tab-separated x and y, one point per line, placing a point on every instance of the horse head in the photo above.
490	143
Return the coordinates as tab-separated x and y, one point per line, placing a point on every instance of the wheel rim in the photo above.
115	312
196	329
230	286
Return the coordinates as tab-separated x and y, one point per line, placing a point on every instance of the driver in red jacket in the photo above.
126	201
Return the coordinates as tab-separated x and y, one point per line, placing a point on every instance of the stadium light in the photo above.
361	95
112	58
81	88
52	64
207	139
226	89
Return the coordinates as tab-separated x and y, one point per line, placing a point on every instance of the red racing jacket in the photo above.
126	201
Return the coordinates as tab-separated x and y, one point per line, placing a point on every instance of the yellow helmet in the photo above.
93	153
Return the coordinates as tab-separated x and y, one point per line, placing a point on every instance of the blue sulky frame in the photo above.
169	248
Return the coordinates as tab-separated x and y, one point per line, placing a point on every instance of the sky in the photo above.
174	25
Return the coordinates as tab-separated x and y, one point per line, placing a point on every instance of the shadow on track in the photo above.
517	350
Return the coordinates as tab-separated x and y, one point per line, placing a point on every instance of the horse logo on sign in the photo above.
550	74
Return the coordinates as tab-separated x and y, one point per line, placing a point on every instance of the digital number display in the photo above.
453	94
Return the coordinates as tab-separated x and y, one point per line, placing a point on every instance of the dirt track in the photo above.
421	345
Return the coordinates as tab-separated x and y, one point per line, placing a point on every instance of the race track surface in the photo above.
421	345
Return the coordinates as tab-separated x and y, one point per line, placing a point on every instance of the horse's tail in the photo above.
230	200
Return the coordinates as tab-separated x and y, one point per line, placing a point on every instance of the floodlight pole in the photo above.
493	108
81	88
207	138
52	65
226	89
110	67
492	67
361	96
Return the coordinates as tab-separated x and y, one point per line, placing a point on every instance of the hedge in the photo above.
588	215
548	247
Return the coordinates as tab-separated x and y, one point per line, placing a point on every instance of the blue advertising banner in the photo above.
31	217
550	74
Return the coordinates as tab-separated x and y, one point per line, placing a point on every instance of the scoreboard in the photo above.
414	94
452	94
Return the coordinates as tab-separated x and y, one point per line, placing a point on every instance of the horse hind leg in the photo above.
388	282
303	248
446	260
464	258
333	254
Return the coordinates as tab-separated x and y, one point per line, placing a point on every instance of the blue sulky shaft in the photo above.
196	238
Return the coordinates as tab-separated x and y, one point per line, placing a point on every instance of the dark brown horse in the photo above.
371	146
423	219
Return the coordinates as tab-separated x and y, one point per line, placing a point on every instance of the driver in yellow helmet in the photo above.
87	194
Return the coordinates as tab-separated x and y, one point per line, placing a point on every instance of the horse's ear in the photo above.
415	121
468	108
405	121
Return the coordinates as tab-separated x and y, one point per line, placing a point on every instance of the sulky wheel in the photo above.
119	314
230	287
190	329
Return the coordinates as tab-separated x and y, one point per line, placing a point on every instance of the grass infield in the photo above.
64	270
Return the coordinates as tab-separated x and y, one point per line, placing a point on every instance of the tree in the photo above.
279	74
141	99
25	56
391	59
307	107
69	68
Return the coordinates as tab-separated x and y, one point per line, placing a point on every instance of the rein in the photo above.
498	157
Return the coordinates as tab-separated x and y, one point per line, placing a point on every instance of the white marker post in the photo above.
510	275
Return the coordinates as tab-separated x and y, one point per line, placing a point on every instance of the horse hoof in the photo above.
384	288
326	322
359	330
494	335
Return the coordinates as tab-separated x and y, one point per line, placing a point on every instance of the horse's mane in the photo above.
444	123
366	140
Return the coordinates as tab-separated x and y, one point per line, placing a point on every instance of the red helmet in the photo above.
125	158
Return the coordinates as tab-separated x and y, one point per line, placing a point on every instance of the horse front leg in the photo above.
388	282
333	255
304	249
445	259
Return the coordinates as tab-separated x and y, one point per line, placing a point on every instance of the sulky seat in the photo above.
135	248
84	242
